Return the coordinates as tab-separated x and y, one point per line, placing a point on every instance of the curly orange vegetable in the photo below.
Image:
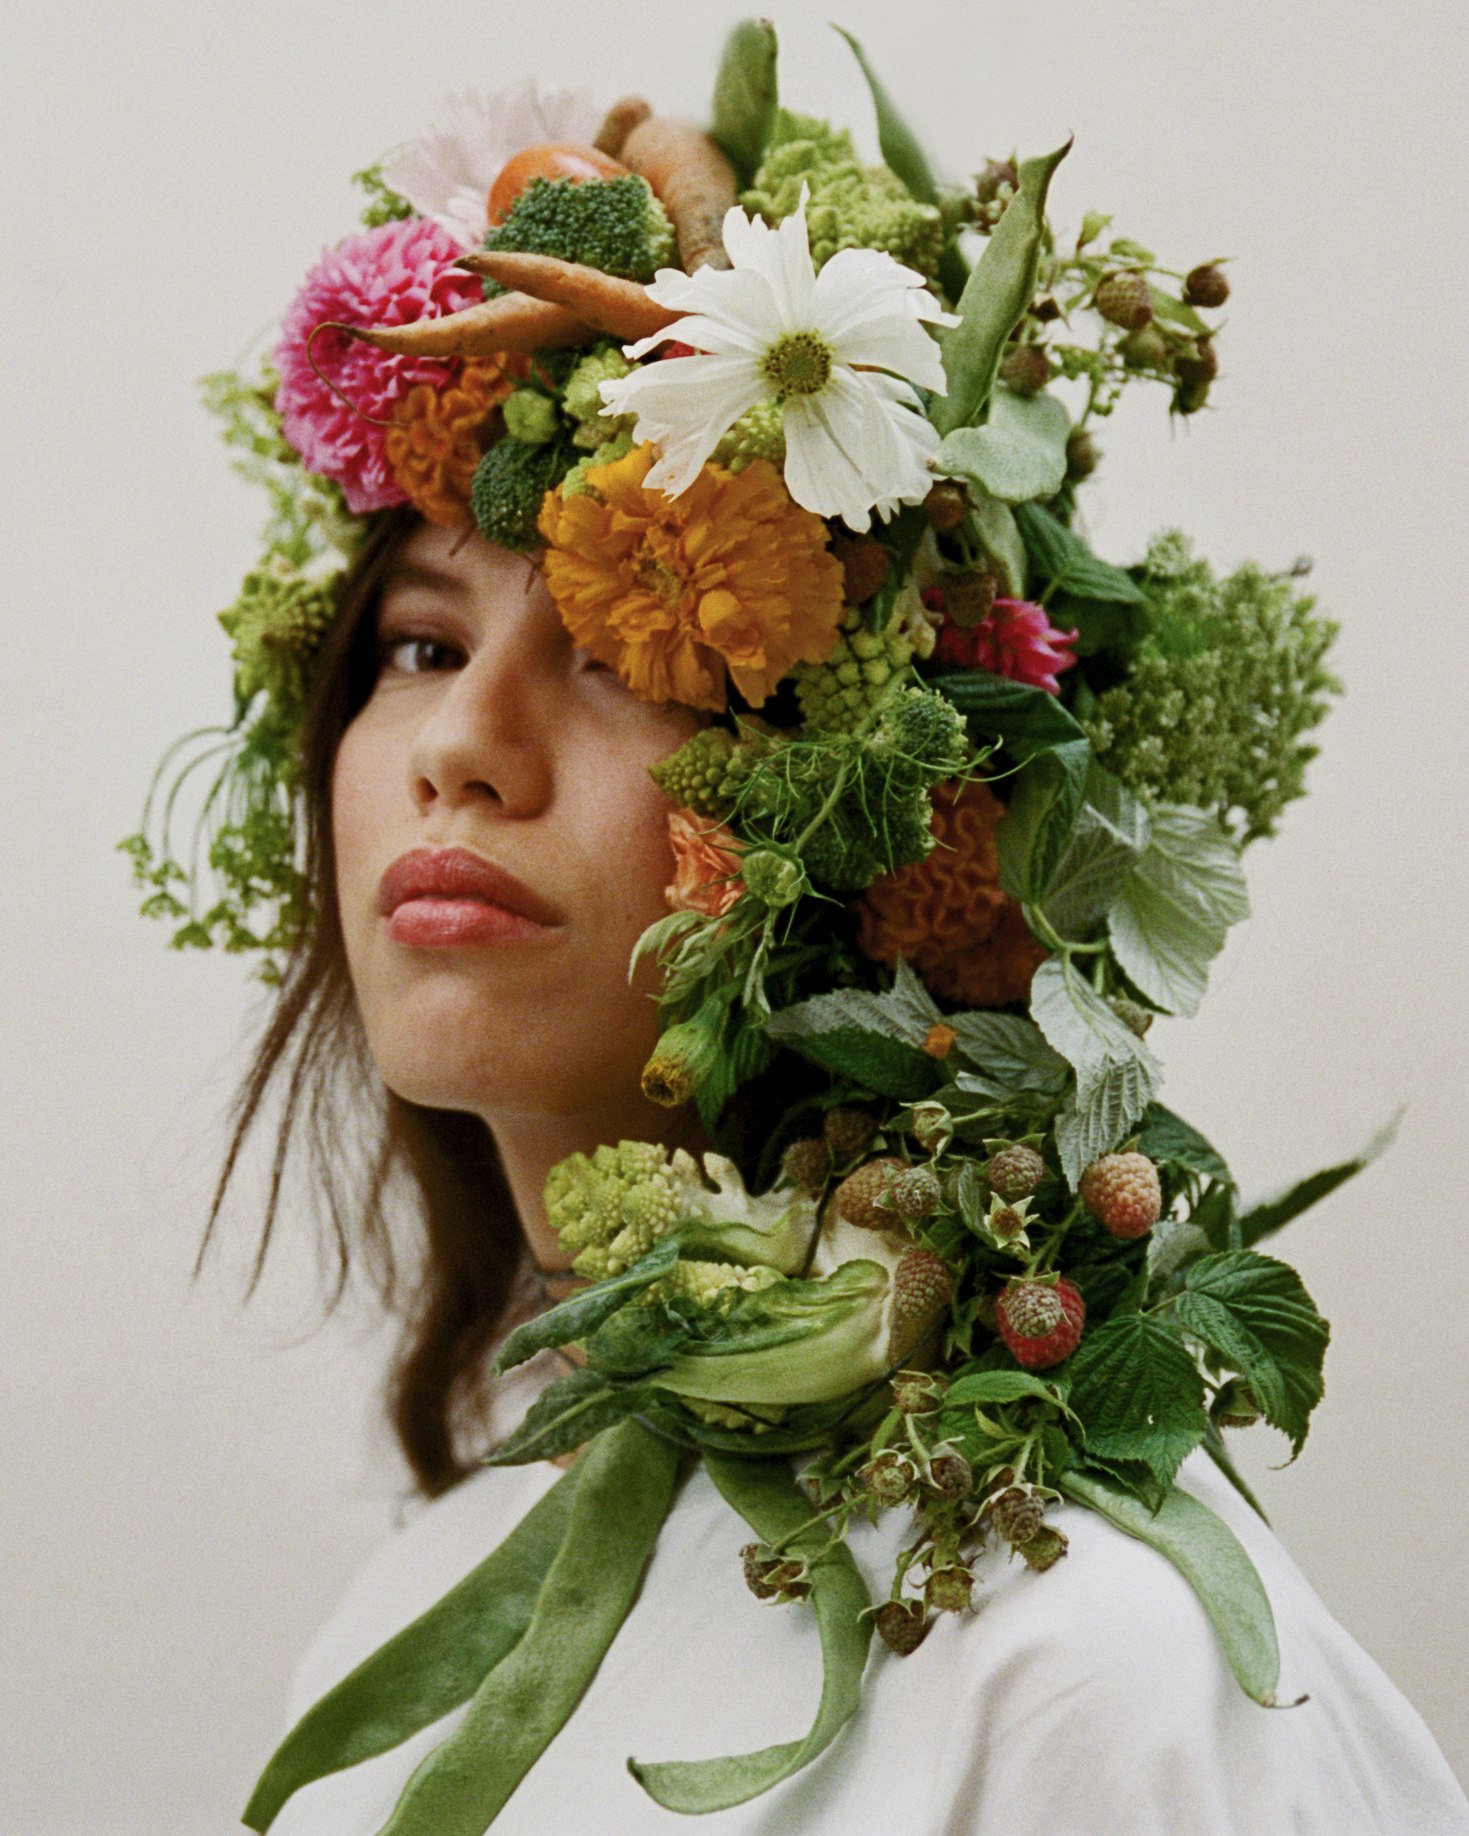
513	322
691	178
551	159
620	308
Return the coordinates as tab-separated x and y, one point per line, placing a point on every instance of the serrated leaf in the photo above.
1010	1050
1271	1214
1019	453
1026	720
1064	559
1107	841
1001	1387
1254	1311
1116	1074
1138	1393
1033	832
875	1039
1100	624
884	1066
1175	907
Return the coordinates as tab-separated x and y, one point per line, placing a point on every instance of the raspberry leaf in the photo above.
1116	1074
1255	1313
1108	840
1138	1393
1175	907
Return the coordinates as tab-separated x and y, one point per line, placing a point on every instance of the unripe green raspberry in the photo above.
917	1193
1147	349
918	1392
1044	1549
1017	1514
1014	1172
1123	299
889	1476
531	417
949	1590
932	1127
1136	1019
950	1474
1026	369
848	1131
807	1163
1082	455
902	1625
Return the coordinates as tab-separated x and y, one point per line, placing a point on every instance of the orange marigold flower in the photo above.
705	855
434	447
730	579
948	914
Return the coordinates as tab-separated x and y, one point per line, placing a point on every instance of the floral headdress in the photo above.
799	442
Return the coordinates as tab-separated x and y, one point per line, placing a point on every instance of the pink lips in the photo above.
441	897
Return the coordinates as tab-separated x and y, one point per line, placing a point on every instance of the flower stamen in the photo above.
799	363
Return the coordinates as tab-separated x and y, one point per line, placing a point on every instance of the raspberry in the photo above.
1040	1321
950	1474
902	1625
917	1194
1122	1193
945	506
807	1163
863	1198
1124	300
923	1284
1016	1514
1206	286
949	1590
889	1476
1044	1548
1015	1172
1026	369
848	1131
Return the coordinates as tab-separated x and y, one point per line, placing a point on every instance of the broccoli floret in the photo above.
850	205
510	483
1220	691
922	736
615	224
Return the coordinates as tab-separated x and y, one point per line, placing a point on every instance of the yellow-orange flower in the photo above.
705	855
729	581
948	914
434	447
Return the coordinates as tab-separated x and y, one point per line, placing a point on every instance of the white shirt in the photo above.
1089	1700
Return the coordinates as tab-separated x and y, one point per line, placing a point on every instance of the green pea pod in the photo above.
766	1496
1211	1558
995	296
745	96
625	1484
896	140
426	1669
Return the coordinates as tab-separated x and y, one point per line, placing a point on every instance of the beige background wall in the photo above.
186	1488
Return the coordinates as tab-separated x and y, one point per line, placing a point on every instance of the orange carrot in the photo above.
621	119
552	159
619	307
691	178
513	322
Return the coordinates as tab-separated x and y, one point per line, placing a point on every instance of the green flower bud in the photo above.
774	879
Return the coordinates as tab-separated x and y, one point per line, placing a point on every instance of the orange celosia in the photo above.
705	855
673	593
948	914
434	448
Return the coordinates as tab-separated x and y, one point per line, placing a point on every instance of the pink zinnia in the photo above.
392	275
1015	639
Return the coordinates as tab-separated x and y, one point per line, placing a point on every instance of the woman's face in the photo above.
488	733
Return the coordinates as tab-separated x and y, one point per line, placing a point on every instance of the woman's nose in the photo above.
488	737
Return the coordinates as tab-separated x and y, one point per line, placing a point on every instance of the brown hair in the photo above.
471	1262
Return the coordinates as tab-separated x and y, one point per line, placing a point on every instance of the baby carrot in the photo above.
513	322
619	307
692	179
621	119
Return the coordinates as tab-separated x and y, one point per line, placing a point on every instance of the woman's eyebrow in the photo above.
423	574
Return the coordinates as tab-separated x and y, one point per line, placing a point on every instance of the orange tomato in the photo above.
553	159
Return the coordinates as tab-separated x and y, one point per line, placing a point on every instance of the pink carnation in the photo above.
1015	639
392	275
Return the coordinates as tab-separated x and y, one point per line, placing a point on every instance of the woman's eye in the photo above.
414	656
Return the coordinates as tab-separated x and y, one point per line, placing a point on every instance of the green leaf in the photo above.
1166	1137
565	1415
1175	907
1271	1214
1211	1558
1007	1048
875	1039
1138	1392
896	140
1100	624
1064	559
999	535
1028	720
622	1497
994	298
1107	840
584	1312
745	96
1254	1311
1001	1387
1033	833
425	1670
637	1342
1116	1074
1018	454
765	1495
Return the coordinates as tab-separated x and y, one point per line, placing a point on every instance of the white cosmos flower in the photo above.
447	172
833	348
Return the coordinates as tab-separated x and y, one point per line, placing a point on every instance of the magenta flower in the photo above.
392	275
1015	639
